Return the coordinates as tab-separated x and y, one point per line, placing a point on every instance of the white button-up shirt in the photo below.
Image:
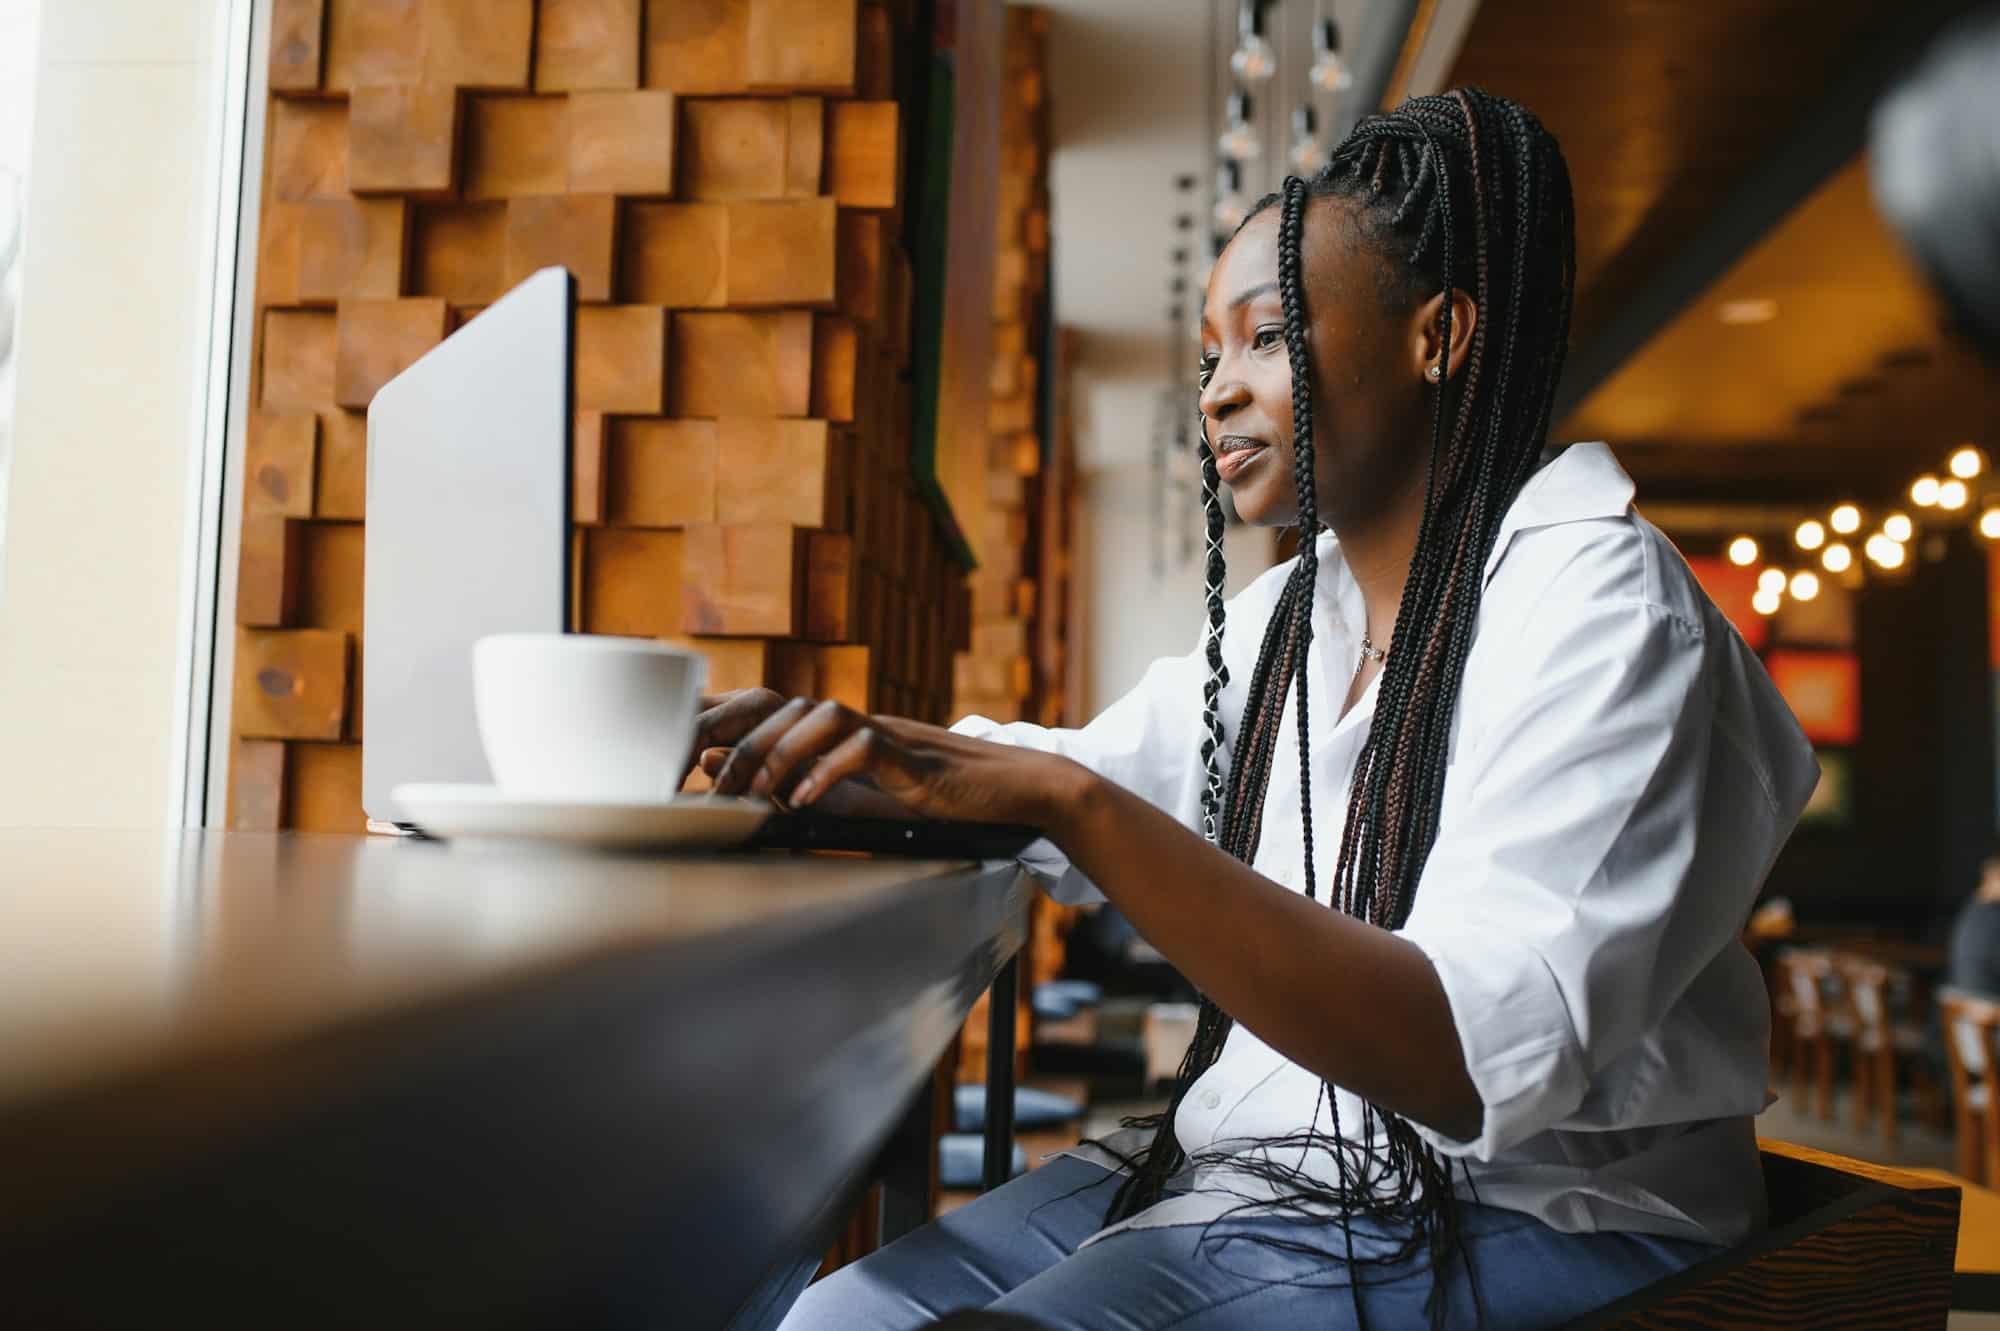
1621	776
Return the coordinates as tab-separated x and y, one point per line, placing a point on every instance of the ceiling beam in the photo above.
1824	138
1437	32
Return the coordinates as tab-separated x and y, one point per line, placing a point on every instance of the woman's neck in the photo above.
1378	555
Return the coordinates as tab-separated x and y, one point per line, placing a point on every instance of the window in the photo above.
17	105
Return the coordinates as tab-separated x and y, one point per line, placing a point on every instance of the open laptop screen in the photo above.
467	529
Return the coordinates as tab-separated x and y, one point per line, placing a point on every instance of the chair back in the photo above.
1804	973
1972	1030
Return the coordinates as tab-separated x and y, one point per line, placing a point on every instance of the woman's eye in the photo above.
1267	338
1204	370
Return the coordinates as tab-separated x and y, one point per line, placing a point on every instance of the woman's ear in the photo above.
1429	341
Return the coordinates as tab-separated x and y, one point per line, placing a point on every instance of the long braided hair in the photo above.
1466	191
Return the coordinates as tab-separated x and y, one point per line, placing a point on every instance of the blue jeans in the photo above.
1015	1250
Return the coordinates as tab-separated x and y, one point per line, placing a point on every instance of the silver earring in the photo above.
1435	372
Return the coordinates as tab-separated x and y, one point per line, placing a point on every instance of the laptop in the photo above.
467	532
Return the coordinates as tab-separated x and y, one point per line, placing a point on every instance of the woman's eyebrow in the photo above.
1244	297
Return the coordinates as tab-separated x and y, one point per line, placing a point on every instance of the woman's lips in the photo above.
1229	465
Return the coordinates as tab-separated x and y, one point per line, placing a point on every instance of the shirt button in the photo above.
1211	1099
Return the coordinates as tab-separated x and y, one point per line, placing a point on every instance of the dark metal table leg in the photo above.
1000	1077
907	1162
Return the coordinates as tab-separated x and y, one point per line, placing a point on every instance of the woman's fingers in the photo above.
747	756
793	752
728	717
857	755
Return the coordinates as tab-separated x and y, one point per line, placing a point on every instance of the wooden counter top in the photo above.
484	1084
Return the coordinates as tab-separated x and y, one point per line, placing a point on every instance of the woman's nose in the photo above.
1223	395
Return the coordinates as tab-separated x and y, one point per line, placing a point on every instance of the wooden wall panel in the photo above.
351	249
291	684
373	42
802	44
577	231
403	139
744	581
621	358
341	486
729	364
697	46
378	340
516	146
298	45
677	254
587	45
633	582
735	148
479	43
621	143
306	151
723	177
280	463
661	473
782	252
458	252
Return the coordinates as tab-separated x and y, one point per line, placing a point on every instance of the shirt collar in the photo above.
1574	483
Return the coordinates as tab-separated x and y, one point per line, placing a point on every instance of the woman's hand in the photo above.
802	750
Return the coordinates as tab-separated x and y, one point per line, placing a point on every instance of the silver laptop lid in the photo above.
467	529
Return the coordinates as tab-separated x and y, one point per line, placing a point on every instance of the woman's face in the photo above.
1371	404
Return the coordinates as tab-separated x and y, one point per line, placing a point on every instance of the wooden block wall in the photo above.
1014	661
724	178
1006	667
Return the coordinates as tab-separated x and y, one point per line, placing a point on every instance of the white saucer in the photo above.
487	813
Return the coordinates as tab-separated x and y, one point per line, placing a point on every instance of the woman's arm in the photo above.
1351	1002
1355	1004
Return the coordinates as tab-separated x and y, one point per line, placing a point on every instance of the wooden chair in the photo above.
1882	1043
1972	1047
1808	979
1850	1245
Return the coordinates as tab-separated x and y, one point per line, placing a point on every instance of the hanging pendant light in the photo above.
1253	61
1239	142
1230	205
1329	72
1306	156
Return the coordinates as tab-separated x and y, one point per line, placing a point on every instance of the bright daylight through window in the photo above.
17	101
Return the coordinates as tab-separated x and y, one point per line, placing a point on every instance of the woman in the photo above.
1486	716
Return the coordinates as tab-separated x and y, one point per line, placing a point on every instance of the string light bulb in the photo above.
1239	142
1743	552
1924	491
1810	535
1898	527
1886	552
1253	60
1805	585
1306	155
1329	73
1771	580
1967	462
1230	205
1766	601
1952	495
1846	520
1837	558
1989	524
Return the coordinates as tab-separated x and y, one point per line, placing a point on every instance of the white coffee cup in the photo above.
572	717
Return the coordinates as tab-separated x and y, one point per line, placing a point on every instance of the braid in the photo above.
1214	575
1461	192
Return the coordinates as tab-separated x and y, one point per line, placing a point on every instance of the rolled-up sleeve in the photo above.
1561	906
1148	742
